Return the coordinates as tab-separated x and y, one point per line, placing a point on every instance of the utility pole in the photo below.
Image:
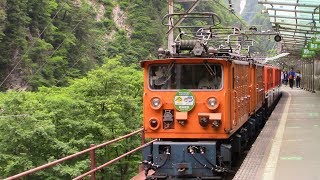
172	25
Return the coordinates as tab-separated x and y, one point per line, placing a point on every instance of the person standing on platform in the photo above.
285	78
298	79
291	76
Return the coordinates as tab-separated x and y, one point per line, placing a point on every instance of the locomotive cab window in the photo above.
185	76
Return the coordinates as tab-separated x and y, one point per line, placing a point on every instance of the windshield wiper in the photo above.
168	72
167	75
208	67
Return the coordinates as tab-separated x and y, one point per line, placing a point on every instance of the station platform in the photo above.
288	147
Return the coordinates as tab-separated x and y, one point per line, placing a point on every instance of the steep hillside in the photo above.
49	42
46	42
252	14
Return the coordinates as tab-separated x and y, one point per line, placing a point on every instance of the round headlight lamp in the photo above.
212	103
156	103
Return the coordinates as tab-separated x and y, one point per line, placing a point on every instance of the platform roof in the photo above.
297	21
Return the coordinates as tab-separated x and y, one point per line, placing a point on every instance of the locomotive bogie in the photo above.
180	159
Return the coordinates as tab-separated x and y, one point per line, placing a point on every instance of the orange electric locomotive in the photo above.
199	98
204	105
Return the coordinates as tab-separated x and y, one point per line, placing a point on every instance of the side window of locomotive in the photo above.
210	77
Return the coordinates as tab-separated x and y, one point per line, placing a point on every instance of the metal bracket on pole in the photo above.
171	28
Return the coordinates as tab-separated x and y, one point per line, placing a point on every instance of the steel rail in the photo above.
290	24
298	30
70	156
291	17
295	36
114	160
293	41
291	10
288	4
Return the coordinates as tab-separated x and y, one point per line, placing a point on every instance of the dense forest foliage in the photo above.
46	43
72	70
46	40
39	127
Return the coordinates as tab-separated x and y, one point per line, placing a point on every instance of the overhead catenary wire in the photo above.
40	68
121	16
43	65
61	78
31	46
26	115
232	12
14	115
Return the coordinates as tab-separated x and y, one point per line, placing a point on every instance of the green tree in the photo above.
2	17
50	40
14	40
38	127
147	36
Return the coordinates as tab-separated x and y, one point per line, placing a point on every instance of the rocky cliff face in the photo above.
251	9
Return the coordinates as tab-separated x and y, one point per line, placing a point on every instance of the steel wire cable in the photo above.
217	1
31	46
121	16
42	66
23	115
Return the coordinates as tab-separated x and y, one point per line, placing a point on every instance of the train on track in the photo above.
204	105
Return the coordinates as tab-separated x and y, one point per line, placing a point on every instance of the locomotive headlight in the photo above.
156	103
212	103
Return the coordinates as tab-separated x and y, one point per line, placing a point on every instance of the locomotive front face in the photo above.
185	98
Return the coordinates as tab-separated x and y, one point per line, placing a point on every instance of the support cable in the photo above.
32	44
65	74
217	1
43	65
